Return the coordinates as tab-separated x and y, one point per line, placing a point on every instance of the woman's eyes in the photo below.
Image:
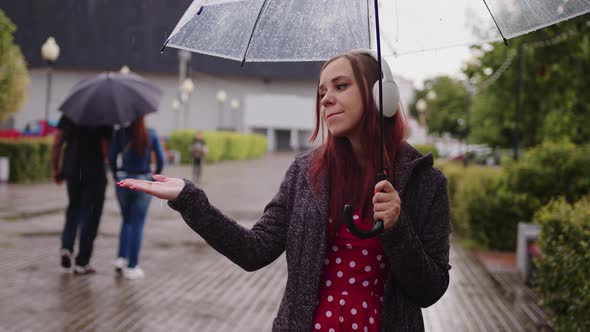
339	87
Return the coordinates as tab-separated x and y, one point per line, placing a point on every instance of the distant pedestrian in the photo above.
336	281
135	144
83	169
198	151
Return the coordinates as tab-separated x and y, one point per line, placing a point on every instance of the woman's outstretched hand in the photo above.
164	187
386	204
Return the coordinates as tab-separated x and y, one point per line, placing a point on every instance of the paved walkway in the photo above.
188	286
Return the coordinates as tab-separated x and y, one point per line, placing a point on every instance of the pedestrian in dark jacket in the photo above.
83	169
337	282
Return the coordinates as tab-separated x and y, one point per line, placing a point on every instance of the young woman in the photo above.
337	282
136	144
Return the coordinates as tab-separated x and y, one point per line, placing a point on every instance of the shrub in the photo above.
472	195
221	145
426	148
562	275
546	172
30	159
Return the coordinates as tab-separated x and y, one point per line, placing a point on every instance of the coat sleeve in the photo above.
253	248
420	266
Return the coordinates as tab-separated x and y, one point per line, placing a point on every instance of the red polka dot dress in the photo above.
351	291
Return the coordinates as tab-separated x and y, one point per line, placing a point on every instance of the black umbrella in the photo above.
111	98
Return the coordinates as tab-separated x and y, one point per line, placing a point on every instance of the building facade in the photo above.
274	99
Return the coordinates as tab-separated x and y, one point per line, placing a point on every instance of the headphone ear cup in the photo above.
390	97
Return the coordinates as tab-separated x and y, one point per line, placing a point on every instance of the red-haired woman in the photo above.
135	144
338	282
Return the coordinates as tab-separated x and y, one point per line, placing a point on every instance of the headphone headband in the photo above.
385	70
390	89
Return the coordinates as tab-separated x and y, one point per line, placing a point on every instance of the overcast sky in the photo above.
426	24
422	65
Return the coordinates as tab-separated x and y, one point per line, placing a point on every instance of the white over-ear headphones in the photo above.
390	88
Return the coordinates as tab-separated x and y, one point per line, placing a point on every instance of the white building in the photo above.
281	109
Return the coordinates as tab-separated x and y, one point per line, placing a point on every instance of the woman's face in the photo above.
341	104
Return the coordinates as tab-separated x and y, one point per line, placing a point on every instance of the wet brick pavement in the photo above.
188	286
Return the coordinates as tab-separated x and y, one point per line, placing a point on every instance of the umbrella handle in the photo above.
373	232
378	226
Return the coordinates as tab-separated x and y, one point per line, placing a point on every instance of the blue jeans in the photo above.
134	206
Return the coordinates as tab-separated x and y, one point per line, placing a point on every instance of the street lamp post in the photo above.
125	70
176	110
421	108
50	53
221	98
187	88
235	105
517	87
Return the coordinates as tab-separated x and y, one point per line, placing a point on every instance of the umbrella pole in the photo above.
380	175
378	227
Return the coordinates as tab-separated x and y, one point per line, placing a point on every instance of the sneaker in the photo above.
120	263
133	273
66	258
86	269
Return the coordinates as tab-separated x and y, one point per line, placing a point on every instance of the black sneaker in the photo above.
86	269
66	258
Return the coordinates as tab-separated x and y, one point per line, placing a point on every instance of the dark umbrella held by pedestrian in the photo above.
111	99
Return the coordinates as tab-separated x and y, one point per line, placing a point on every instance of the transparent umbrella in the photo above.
315	30
417	25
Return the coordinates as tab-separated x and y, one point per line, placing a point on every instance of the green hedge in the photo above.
488	203
221	145
548	171
472	195
426	148
30	159
562	276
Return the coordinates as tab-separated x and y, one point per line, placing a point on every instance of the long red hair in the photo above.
140	136
348	182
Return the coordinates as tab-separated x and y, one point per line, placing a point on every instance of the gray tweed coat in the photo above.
295	221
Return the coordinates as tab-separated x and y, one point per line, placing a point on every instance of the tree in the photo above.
554	92
445	101
14	77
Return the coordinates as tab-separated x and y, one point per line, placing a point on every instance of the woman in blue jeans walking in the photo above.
135	144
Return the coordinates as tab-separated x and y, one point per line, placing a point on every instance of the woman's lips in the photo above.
332	114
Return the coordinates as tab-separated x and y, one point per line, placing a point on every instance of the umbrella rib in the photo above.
253	29
496	23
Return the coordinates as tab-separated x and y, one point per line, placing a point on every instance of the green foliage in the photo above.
14	77
487	204
427	148
548	171
562	276
554	90
478	208
30	159
447	103
221	145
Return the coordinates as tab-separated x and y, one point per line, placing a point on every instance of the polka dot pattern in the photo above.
350	297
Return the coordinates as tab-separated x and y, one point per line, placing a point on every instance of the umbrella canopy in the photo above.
268	31
111	98
416	25
315	30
